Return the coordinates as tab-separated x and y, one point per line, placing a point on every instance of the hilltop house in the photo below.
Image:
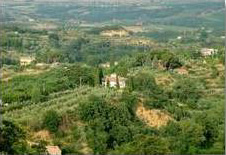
53	150
113	80
208	51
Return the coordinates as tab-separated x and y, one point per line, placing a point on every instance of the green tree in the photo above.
36	94
117	82
185	137
100	76
108	83
51	120
210	123
10	136
98	141
73	52
215	72
187	91
143	82
130	83
191	137
144	144
154	63
108	123
203	36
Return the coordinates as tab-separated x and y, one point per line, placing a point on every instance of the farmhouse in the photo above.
112	33
113	80
208	51
26	60
53	150
182	71
31	20
106	65
179	37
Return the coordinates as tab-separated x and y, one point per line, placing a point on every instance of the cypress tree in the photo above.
117	82
100	75
108	83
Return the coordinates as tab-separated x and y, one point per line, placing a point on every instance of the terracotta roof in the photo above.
53	150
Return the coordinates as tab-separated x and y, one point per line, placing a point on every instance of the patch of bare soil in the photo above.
42	135
153	117
85	148
220	67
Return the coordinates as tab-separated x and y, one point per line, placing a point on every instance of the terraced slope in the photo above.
214	84
61	102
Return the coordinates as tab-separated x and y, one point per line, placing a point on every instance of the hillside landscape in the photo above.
112	77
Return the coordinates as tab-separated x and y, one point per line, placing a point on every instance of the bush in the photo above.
108	123
143	82
144	144
51	120
10	136
187	91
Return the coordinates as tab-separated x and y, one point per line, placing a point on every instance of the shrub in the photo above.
10	135
51	120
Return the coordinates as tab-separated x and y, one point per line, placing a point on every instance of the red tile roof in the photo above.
53	150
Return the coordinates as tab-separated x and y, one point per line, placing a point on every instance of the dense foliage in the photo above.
37	88
59	99
51	120
12	138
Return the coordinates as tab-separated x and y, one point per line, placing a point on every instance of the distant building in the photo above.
112	33
208	51
209	31
55	64
26	60
182	71
40	64
113	80
53	150
31	20
115	63
106	65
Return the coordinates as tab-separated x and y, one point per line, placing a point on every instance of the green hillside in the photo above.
112	78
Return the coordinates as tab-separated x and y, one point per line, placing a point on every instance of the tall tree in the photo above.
51	120
100	76
117	82
108	83
10	134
